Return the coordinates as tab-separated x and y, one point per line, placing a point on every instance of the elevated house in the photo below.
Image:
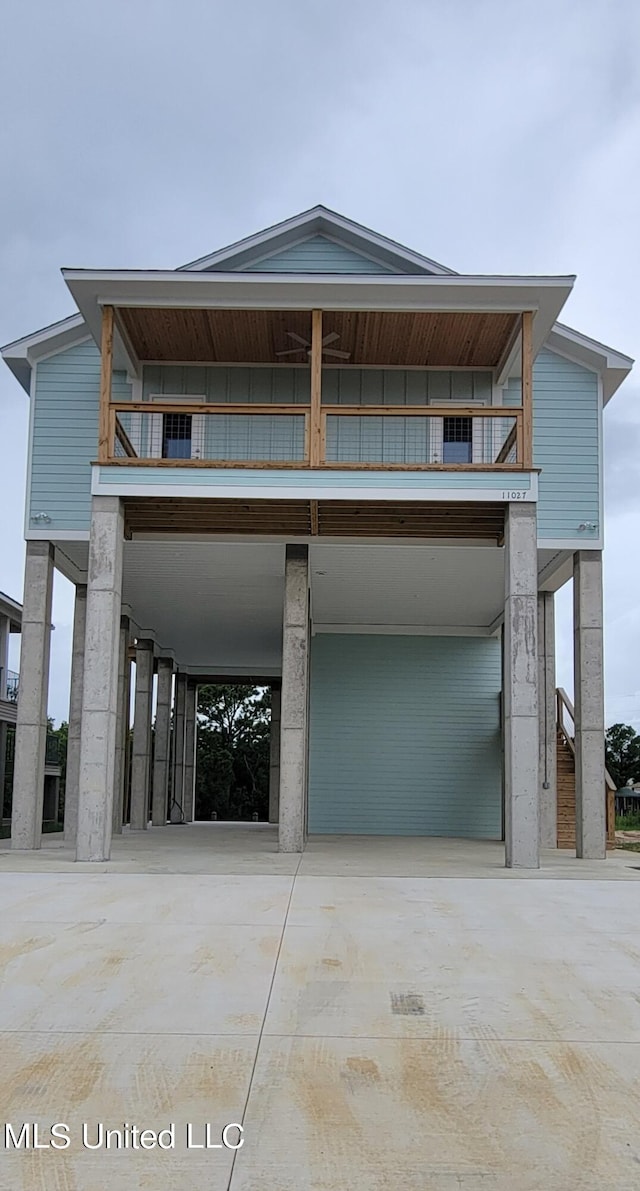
323	461
11	622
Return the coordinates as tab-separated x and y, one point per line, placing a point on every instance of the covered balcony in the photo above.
317	372
319	389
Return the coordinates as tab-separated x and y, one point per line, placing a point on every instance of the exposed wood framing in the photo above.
316	389
527	388
448	339
105	442
302	465
395	519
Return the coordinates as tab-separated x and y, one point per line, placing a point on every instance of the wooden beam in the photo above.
316	388
313	509
105	446
527	389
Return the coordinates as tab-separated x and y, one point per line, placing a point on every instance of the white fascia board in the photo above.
611	365
57	535
12	610
23	353
512	489
572	544
545	296
321	221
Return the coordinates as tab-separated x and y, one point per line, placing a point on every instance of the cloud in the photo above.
150	134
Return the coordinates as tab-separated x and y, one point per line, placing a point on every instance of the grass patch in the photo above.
628	822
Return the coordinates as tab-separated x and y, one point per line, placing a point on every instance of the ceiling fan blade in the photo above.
331	351
298	339
331	337
292	351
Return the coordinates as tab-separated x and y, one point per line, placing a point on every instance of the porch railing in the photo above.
481	438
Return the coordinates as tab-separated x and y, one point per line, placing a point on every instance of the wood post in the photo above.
315	453
527	388
105	441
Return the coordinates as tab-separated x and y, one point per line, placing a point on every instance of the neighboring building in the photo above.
324	461
11	622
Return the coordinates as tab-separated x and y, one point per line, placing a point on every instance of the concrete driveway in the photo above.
381	1032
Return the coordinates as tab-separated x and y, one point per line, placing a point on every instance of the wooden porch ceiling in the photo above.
405	338
309	518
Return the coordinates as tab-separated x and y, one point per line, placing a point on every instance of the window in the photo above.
457	440
176	436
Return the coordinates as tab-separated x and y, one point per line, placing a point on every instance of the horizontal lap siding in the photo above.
317	255
405	736
566	446
65	436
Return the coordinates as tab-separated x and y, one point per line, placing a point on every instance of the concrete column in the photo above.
162	738
100	687
4	664
294	702
122	724
591	818
31	727
274	757
141	752
72	779
522	799
176	814
547	715
190	728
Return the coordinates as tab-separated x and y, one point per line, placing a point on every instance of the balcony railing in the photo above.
52	750
13	681
369	437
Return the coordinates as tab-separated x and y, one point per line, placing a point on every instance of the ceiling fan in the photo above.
305	346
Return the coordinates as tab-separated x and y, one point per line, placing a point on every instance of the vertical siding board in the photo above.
405	736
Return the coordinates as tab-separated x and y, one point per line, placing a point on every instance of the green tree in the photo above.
233	751
622	751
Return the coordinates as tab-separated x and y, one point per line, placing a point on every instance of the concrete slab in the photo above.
425	1028
190	900
112	1079
252	849
383	1114
423	959
132	977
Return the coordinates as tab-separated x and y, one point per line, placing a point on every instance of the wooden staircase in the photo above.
566	779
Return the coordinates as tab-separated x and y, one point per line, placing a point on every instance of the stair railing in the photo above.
566	723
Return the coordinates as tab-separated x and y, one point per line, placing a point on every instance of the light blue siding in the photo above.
219	385
317	254
421	482
566	447
405	736
65	436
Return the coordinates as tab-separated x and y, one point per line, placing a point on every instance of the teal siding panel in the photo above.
220	385
405	736
317	255
566	446
174	477
65	436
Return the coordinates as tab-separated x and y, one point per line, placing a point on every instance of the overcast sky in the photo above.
491	136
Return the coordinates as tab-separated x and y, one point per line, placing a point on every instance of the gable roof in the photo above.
317	221
286	246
